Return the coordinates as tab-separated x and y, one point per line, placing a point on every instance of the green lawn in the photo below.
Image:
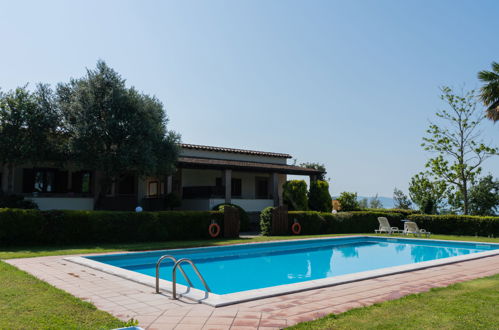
28	303
467	305
27	252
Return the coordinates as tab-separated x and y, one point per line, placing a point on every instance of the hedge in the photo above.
28	227
458	224
367	221
405	212
333	223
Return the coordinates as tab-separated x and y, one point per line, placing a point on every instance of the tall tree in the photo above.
401	200
456	142
484	197
317	166
375	203
490	91
348	201
29	129
115	129
319	198
428	195
364	203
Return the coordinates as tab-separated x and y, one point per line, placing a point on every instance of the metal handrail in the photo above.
174	276
175	262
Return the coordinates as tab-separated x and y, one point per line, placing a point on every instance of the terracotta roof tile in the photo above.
232	150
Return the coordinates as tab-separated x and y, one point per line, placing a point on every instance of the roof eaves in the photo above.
234	150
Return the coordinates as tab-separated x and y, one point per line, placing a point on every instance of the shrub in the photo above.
319	198
172	200
341	223
266	221
244	219
348	201
294	195
405	212
458	224
26	227
16	202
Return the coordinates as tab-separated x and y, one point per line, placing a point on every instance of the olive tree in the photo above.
29	129
115	129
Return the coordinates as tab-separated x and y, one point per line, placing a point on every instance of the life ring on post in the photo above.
296	228
214	230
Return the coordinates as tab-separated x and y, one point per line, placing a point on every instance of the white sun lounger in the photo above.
412	228
384	227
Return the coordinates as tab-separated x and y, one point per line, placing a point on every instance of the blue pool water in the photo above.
231	269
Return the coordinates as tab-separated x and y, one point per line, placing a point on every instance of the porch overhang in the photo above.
223	164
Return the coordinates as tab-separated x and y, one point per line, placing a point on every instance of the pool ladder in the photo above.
174	274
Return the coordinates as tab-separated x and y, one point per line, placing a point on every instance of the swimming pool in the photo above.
232	271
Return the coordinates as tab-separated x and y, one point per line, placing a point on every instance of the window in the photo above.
236	187
262	187
82	182
153	188
44	181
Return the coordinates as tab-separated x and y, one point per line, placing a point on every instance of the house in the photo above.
206	176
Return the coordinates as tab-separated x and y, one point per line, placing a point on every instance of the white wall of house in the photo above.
195	178
232	156
64	203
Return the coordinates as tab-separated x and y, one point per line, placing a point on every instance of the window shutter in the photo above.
28	180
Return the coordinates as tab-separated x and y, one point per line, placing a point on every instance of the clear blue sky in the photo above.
351	84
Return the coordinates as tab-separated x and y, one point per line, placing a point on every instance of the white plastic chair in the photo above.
384	227
412	228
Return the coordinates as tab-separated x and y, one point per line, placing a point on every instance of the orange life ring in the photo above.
296	228
216	232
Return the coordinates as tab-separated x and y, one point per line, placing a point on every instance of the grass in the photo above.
28	303
28	252
467	305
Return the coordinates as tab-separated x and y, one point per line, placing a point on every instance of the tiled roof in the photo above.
237	151
195	162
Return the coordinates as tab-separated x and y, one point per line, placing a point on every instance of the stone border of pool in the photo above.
217	300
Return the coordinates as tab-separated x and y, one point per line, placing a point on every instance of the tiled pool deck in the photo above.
126	299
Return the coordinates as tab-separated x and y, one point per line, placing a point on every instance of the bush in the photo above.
458	224
341	223
319	198
244	219
266	221
16	202
28	227
405	212
294	195
172	200
348	201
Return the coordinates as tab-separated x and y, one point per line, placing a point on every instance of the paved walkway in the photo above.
126	299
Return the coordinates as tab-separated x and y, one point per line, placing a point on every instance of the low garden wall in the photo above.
312	222
29	227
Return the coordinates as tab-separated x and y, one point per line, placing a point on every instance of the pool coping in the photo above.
217	300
